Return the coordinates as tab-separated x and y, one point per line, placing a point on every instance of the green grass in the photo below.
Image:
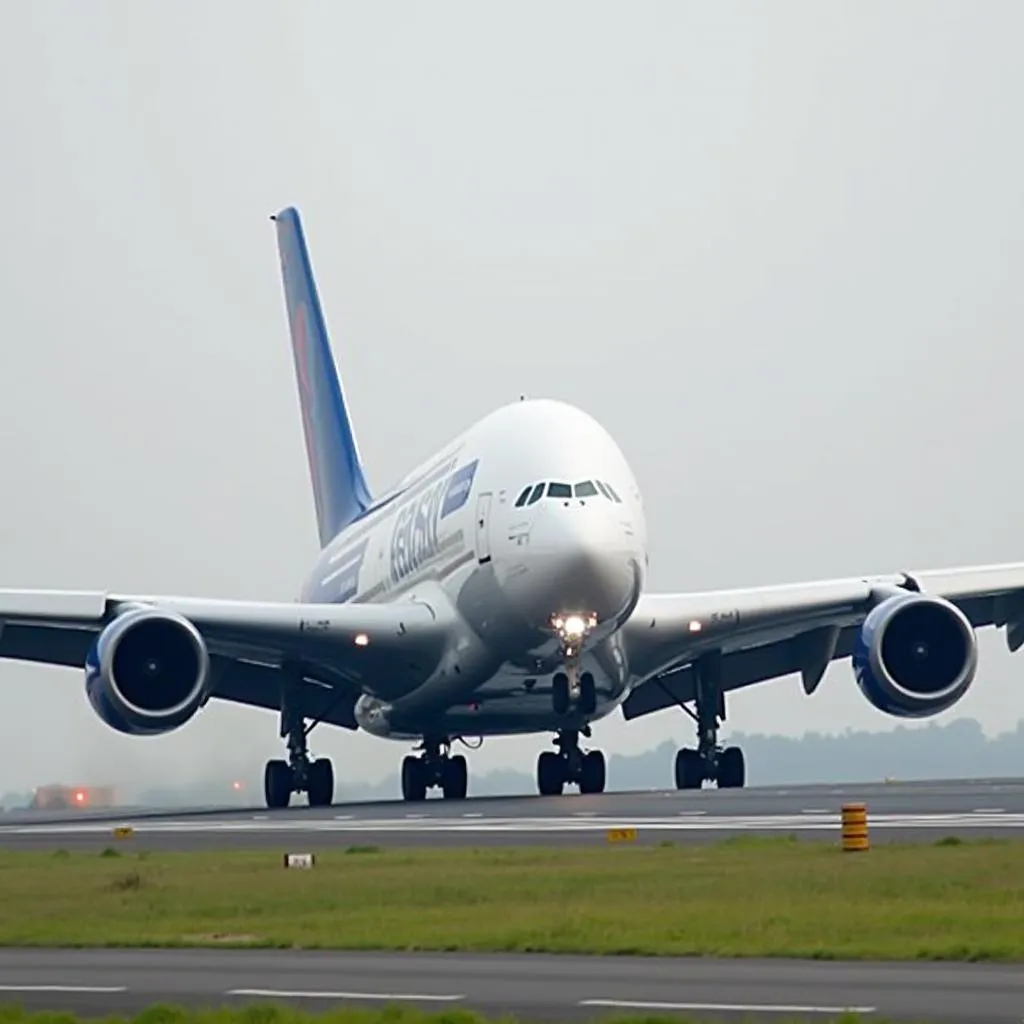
261	1013
745	897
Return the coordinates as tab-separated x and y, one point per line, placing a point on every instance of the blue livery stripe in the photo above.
458	490
340	490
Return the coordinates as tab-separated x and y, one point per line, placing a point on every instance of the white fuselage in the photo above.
532	514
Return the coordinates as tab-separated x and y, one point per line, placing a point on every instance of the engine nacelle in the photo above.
915	655
148	672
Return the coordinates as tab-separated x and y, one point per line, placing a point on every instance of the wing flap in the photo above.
745	668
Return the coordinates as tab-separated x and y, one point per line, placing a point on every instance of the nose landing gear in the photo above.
709	761
570	687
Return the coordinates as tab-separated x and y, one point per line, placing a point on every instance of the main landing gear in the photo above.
570	764
298	774
436	767
709	761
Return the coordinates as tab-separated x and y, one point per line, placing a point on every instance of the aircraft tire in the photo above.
320	787
455	778
414	779
731	769
560	693
277	784
588	694
593	773
550	774
689	769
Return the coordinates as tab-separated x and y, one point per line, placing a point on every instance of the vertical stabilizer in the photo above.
339	485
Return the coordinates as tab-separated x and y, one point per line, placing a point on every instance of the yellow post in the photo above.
855	827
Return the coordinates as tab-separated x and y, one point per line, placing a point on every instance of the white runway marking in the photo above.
272	993
63	988
631	1004
693	822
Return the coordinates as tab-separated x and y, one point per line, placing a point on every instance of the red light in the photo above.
79	797
236	785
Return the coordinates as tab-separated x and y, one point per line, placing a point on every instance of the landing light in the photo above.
695	626
361	640
574	625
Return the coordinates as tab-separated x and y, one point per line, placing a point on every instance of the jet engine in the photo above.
148	672
915	655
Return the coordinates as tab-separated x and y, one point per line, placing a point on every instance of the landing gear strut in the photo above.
570	764
709	761
298	773
570	687
435	767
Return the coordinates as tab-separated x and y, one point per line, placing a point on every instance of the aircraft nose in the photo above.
580	560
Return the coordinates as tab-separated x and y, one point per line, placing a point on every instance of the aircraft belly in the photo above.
508	703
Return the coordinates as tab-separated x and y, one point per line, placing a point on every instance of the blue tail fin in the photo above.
339	485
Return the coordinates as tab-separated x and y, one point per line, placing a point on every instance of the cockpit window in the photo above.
536	495
521	500
559	491
603	490
586	490
614	496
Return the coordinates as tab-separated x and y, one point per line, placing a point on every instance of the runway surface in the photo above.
97	982
911	811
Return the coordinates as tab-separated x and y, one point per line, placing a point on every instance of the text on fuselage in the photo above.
415	539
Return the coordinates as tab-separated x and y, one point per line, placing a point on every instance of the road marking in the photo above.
633	1004
63	988
272	993
680	822
815	810
475	814
343	817
989	810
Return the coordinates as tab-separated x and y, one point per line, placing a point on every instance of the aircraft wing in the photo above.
398	644
767	632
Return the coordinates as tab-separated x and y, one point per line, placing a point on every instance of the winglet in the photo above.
340	490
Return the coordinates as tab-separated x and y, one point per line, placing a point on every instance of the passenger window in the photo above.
559	491
537	492
521	500
586	490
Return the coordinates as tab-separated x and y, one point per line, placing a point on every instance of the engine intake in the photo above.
148	672
915	655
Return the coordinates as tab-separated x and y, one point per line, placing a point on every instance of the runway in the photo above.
914	811
96	982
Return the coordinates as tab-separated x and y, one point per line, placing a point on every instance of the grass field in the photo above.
275	1014
744	897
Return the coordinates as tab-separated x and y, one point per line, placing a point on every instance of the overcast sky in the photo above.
775	248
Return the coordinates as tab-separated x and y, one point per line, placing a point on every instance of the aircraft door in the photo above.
483	525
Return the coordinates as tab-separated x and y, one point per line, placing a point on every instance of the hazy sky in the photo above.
775	248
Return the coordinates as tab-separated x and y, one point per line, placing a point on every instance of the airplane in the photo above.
497	589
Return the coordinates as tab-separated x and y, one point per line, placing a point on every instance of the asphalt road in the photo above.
97	982
896	811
